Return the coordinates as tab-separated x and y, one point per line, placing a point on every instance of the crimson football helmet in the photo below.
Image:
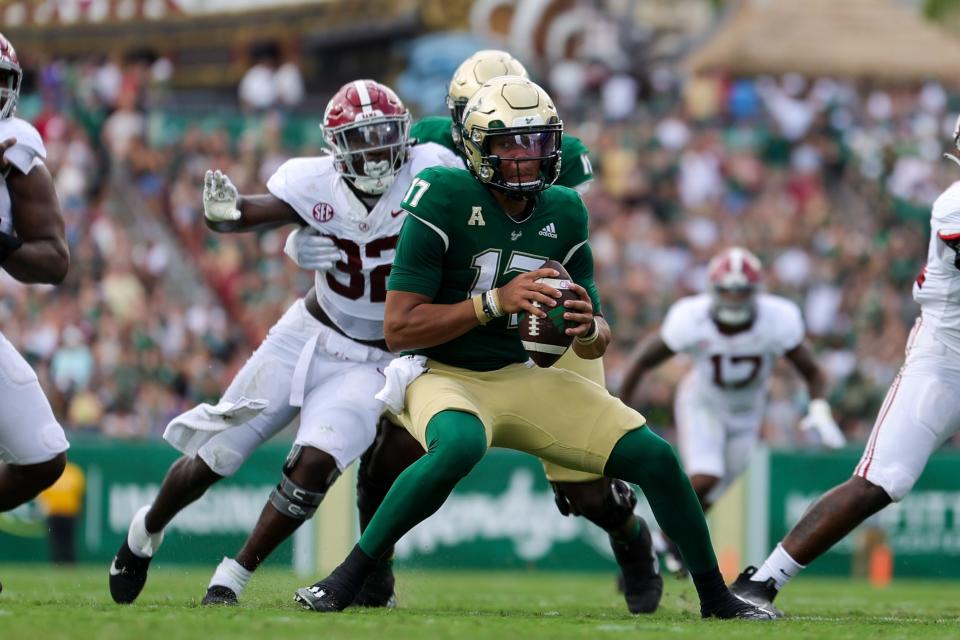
10	77
736	276
367	128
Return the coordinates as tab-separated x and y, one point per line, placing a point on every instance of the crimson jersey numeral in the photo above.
718	371
356	286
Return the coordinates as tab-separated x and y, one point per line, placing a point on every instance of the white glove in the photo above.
312	251
219	197
820	419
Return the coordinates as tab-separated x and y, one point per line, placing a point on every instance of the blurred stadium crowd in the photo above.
828	182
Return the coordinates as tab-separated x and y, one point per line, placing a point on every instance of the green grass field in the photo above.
41	603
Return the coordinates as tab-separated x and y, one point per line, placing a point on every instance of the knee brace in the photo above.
292	500
607	502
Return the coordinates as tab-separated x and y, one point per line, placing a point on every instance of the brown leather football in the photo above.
544	339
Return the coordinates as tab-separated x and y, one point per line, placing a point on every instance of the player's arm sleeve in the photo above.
579	264
418	263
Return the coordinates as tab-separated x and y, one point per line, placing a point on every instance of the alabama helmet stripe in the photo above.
364	95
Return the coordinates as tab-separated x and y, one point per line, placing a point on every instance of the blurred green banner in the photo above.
923	530
123	476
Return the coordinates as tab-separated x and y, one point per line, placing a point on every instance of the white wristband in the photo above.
591	336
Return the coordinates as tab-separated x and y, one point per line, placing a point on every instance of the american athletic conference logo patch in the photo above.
322	212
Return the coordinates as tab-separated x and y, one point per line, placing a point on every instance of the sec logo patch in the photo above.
322	212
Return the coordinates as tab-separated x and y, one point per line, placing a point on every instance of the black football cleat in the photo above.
733	607
759	594
326	596
639	579
128	574
219	595
378	589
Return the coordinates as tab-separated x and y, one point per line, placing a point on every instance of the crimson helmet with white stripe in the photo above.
10	77
367	128
736	276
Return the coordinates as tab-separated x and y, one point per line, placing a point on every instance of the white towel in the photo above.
399	374
334	344
189	431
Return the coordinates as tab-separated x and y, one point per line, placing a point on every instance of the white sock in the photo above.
141	542
779	566
232	575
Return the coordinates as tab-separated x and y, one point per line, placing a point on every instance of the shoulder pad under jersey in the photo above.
29	148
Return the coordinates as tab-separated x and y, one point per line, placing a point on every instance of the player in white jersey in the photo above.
734	334
919	413
323	358
33	249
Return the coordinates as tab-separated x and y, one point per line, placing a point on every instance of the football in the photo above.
544	339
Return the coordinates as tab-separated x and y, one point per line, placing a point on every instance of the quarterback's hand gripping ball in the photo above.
219	197
545	339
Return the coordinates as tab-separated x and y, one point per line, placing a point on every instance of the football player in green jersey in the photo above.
576	171
468	259
605	502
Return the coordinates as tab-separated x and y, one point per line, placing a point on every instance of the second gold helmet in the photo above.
472	74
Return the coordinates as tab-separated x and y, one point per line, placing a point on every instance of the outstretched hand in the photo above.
219	197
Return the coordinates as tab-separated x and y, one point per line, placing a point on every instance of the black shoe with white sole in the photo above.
378	589
730	607
325	596
128	575
760	594
219	595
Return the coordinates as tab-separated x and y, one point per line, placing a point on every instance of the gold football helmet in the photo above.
471	74
511	136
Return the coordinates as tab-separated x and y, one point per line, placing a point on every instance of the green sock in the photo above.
648	461
456	441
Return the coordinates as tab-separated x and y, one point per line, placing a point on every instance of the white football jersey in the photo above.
353	293
25	155
733	369
937	288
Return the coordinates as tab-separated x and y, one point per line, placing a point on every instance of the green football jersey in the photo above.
434	129
575	167
457	242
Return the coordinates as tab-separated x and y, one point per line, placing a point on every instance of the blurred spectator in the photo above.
268	83
62	503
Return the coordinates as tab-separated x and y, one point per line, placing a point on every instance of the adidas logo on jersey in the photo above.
549	231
